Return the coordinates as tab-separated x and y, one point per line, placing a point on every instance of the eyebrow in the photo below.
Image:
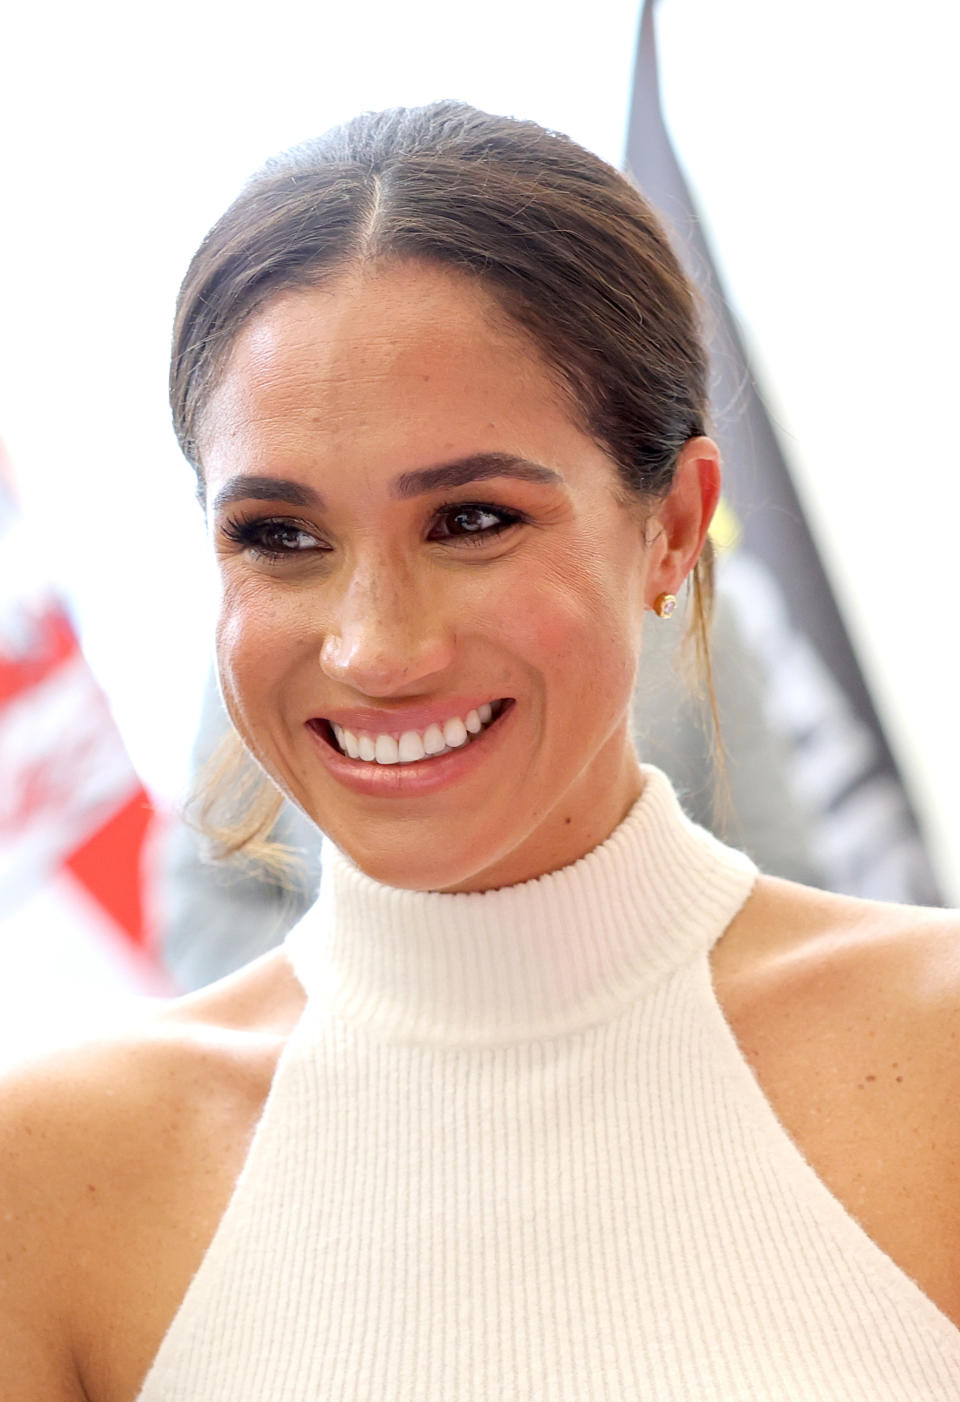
479	467
245	488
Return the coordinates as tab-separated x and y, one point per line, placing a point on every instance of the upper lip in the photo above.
396	722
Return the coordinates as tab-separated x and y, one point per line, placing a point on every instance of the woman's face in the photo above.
424	560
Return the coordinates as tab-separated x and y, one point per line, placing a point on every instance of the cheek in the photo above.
255	631
243	621
578	629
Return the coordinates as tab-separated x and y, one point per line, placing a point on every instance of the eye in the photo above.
472	522
271	538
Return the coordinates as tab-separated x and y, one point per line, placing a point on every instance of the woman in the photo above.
564	1100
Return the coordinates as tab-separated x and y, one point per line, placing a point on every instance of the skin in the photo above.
117	1159
343	389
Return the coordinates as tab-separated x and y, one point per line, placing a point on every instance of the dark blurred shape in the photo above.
867	835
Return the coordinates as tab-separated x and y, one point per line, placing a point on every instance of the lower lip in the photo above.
421	776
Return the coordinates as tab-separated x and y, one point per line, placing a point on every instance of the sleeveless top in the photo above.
512	1151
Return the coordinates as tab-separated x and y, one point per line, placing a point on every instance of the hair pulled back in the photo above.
566	245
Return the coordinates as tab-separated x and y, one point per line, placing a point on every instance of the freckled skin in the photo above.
344	388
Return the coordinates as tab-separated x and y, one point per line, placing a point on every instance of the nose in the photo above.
385	636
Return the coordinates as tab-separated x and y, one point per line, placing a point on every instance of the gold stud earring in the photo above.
664	605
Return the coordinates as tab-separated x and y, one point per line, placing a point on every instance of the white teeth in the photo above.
455	732
433	741
411	747
414	745
387	750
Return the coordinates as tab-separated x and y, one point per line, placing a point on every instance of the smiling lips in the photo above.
438	738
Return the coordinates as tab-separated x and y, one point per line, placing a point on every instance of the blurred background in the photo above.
818	146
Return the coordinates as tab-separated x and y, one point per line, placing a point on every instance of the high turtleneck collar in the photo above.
552	955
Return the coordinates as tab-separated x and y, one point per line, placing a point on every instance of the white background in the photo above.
819	137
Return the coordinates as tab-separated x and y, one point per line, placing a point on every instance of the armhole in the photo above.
156	1385
807	1188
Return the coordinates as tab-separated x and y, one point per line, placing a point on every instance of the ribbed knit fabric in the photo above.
512	1153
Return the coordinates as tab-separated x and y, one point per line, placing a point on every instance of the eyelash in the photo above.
249	534
507	519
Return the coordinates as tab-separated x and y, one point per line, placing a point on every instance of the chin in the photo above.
426	858
412	870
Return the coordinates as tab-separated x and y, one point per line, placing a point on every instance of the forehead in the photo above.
404	359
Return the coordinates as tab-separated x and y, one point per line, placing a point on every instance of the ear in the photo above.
679	525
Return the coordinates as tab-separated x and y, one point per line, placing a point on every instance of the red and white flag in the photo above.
74	817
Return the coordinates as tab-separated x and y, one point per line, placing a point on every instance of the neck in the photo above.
539	958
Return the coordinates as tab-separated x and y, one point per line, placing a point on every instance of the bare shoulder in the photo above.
849	1013
142	1077
819	954
115	1153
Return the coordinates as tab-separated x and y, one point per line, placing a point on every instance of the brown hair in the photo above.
565	243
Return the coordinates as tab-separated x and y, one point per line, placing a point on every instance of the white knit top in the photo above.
512	1153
